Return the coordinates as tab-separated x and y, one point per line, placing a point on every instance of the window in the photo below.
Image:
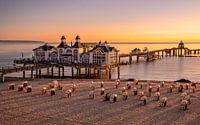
75	55
61	51
85	58
98	57
68	51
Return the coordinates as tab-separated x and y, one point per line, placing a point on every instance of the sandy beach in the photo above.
19	108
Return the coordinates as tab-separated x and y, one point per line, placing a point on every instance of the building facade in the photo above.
78	53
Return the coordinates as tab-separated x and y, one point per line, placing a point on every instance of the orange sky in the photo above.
127	20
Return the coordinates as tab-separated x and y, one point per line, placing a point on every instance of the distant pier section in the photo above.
146	55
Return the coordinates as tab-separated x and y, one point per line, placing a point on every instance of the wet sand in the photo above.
19	108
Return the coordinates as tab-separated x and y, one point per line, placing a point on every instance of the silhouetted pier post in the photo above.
32	73
89	71
59	71
170	52
158	53
181	52
36	72
52	72
76	72
147	57
95	72
109	69
173	52
24	74
130	59
177	54
85	70
98	73
118	72
185	53
40	73
79	72
138	56
47	71
72	72
63	71
2	79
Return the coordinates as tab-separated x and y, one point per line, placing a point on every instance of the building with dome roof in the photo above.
181	45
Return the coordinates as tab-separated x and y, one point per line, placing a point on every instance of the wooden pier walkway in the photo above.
91	70
158	54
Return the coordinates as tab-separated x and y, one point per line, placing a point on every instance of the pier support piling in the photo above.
130	59
63	71
138	58
109	73
2	79
47	71
72	72
118	72
31	73
52	72
40	73
58	71
36	73
24	74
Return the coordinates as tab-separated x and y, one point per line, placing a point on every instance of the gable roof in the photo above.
104	48
45	47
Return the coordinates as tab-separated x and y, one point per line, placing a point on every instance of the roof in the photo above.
105	48
77	37
62	45
63	38
181	42
45	47
77	45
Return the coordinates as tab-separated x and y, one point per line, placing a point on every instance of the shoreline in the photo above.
18	79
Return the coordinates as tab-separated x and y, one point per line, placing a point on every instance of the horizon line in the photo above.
122	42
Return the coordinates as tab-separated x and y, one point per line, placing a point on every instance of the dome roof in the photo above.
181	44
63	38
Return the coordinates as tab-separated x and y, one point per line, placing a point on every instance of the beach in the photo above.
18	108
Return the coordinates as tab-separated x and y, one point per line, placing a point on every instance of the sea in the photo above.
166	69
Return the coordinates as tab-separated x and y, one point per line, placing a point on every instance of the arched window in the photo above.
75	55
61	51
98	57
68	51
85	58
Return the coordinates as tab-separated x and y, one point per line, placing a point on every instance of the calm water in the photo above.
171	68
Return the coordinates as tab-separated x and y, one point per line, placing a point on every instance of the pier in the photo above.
157	54
82	70
90	70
